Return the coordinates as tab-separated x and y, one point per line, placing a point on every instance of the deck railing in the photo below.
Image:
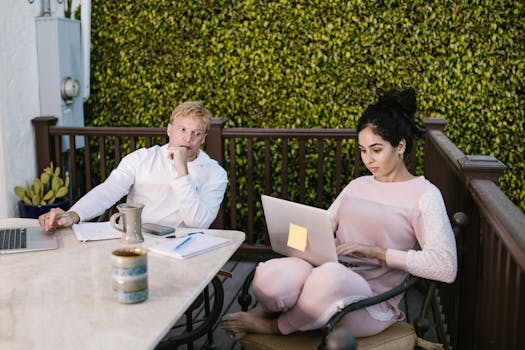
486	305
306	165
484	308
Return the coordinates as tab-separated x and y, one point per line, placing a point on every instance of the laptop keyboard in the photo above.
13	238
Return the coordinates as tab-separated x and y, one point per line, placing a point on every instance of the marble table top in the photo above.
62	299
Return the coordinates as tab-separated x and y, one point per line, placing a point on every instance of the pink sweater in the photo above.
407	218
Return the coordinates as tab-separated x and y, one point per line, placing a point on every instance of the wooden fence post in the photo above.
467	325
214	141
481	167
215	149
44	144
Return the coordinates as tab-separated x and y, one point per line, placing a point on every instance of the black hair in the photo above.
393	117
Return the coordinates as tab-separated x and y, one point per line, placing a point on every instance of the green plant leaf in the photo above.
48	195
20	192
61	192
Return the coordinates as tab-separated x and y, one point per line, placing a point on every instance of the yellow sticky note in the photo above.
297	237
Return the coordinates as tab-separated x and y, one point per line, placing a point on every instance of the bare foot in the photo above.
239	324
262	312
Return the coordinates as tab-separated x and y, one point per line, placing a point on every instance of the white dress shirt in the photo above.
147	176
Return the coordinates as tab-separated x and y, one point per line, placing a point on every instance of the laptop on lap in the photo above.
285	218
280	213
25	239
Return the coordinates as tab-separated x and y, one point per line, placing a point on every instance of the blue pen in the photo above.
182	243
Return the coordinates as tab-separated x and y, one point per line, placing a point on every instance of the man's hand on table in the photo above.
57	218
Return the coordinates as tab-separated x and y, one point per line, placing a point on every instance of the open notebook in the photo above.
191	245
95	231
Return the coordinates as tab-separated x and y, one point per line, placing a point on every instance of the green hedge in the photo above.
315	64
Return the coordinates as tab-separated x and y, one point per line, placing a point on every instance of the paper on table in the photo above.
191	245
297	237
95	231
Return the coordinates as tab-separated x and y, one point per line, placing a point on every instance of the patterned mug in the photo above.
130	274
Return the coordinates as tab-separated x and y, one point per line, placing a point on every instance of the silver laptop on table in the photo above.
320	245
25	239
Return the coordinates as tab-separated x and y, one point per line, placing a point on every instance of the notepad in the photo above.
95	231
196	245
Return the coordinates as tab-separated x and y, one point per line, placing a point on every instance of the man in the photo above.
178	183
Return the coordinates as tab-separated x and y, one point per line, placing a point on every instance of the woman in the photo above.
391	216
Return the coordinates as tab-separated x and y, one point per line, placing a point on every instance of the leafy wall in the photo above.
315	63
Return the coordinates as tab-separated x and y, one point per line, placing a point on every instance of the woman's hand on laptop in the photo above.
57	218
361	250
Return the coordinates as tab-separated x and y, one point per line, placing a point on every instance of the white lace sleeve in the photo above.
437	258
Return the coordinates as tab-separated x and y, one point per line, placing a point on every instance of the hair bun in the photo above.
405	100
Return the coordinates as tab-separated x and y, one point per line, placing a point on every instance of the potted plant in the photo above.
46	192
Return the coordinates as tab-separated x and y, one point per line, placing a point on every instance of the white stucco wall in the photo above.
19	100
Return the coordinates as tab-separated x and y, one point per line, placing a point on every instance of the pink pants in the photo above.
308	296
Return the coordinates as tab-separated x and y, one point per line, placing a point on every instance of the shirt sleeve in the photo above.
199	207
103	196
436	259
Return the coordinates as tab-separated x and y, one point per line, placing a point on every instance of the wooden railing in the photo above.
89	166
306	165
484	308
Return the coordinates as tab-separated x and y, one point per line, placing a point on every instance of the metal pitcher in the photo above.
131	222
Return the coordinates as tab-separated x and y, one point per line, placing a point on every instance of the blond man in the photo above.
178	183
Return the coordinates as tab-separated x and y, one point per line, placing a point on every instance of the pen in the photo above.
189	234
195	233
182	243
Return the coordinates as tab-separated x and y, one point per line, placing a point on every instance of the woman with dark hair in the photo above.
391	218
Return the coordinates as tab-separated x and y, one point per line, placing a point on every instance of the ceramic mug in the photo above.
131	222
129	271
